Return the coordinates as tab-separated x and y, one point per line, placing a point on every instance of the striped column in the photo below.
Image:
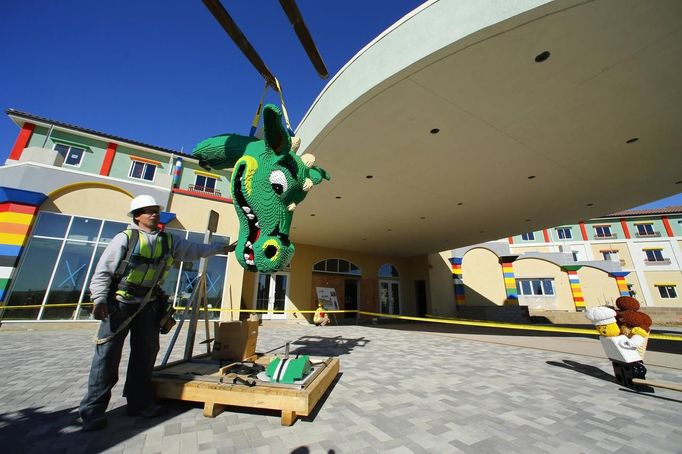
18	209
456	263
576	288
622	284
22	141
177	172
508	272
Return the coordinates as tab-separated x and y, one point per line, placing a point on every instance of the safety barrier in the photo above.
429	319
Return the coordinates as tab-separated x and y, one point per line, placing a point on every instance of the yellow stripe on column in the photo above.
12	239
16	218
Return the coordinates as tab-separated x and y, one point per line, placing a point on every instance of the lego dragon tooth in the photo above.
246	209
251	216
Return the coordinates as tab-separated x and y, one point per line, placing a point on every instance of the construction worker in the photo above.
125	288
320	318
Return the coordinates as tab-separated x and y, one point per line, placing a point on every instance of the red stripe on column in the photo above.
546	234
583	231
18	208
22	140
666	224
625	228
511	240
108	160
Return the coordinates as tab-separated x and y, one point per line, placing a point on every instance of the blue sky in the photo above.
164	72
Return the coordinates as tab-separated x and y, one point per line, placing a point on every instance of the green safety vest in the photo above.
143	262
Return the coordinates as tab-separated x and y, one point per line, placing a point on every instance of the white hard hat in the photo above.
142	201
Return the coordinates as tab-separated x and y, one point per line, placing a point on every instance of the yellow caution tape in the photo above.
430	319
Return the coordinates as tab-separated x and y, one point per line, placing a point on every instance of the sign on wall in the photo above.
327	297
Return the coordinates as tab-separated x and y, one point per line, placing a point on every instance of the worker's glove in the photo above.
230	248
100	311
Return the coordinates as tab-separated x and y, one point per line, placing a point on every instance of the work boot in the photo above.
91	425
149	412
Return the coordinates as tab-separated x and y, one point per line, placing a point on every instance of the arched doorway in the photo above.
342	276
389	289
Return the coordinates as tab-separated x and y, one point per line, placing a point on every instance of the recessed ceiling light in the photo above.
480	231
389	230
369	177
633	140
531	177
422	217
364	239
527	220
435	131
460	203
338	196
678	182
312	214
590	204
542	56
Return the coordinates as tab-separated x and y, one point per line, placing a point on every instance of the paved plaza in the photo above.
402	389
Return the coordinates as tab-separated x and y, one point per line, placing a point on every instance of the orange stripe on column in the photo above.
511	240
108	159
666	224
546	234
583	231
22	140
16	229
625	228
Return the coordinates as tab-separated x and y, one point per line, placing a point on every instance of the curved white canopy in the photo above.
520	145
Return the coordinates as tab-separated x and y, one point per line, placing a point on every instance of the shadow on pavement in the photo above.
586	369
35	430
326	346
659	345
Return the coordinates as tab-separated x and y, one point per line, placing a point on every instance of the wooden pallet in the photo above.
202	380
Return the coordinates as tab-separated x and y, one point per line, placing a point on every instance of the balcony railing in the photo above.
613	236
657	262
648	235
203	190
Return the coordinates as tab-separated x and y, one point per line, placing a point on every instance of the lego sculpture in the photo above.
623	335
268	181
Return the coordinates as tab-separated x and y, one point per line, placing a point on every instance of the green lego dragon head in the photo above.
268	181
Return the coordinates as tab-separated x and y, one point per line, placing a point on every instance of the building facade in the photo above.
65	191
576	266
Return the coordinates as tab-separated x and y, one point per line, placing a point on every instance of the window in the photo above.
667	291
204	184
142	170
645	229
564	233
388	271
602	231
535	287
72	155
337	266
59	260
528	236
654	255
612	256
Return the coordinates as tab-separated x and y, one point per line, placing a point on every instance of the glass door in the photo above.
389	297
272	295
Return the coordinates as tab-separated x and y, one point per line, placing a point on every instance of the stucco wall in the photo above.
598	287
483	280
668	277
90	199
535	268
441	287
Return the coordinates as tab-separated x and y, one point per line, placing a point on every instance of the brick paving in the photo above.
399	391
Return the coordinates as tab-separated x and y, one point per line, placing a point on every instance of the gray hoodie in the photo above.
115	252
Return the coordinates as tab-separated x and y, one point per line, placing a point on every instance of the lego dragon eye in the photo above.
278	181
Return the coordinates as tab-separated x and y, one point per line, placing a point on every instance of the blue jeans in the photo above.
144	346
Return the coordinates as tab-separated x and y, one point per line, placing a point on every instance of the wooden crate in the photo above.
200	381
